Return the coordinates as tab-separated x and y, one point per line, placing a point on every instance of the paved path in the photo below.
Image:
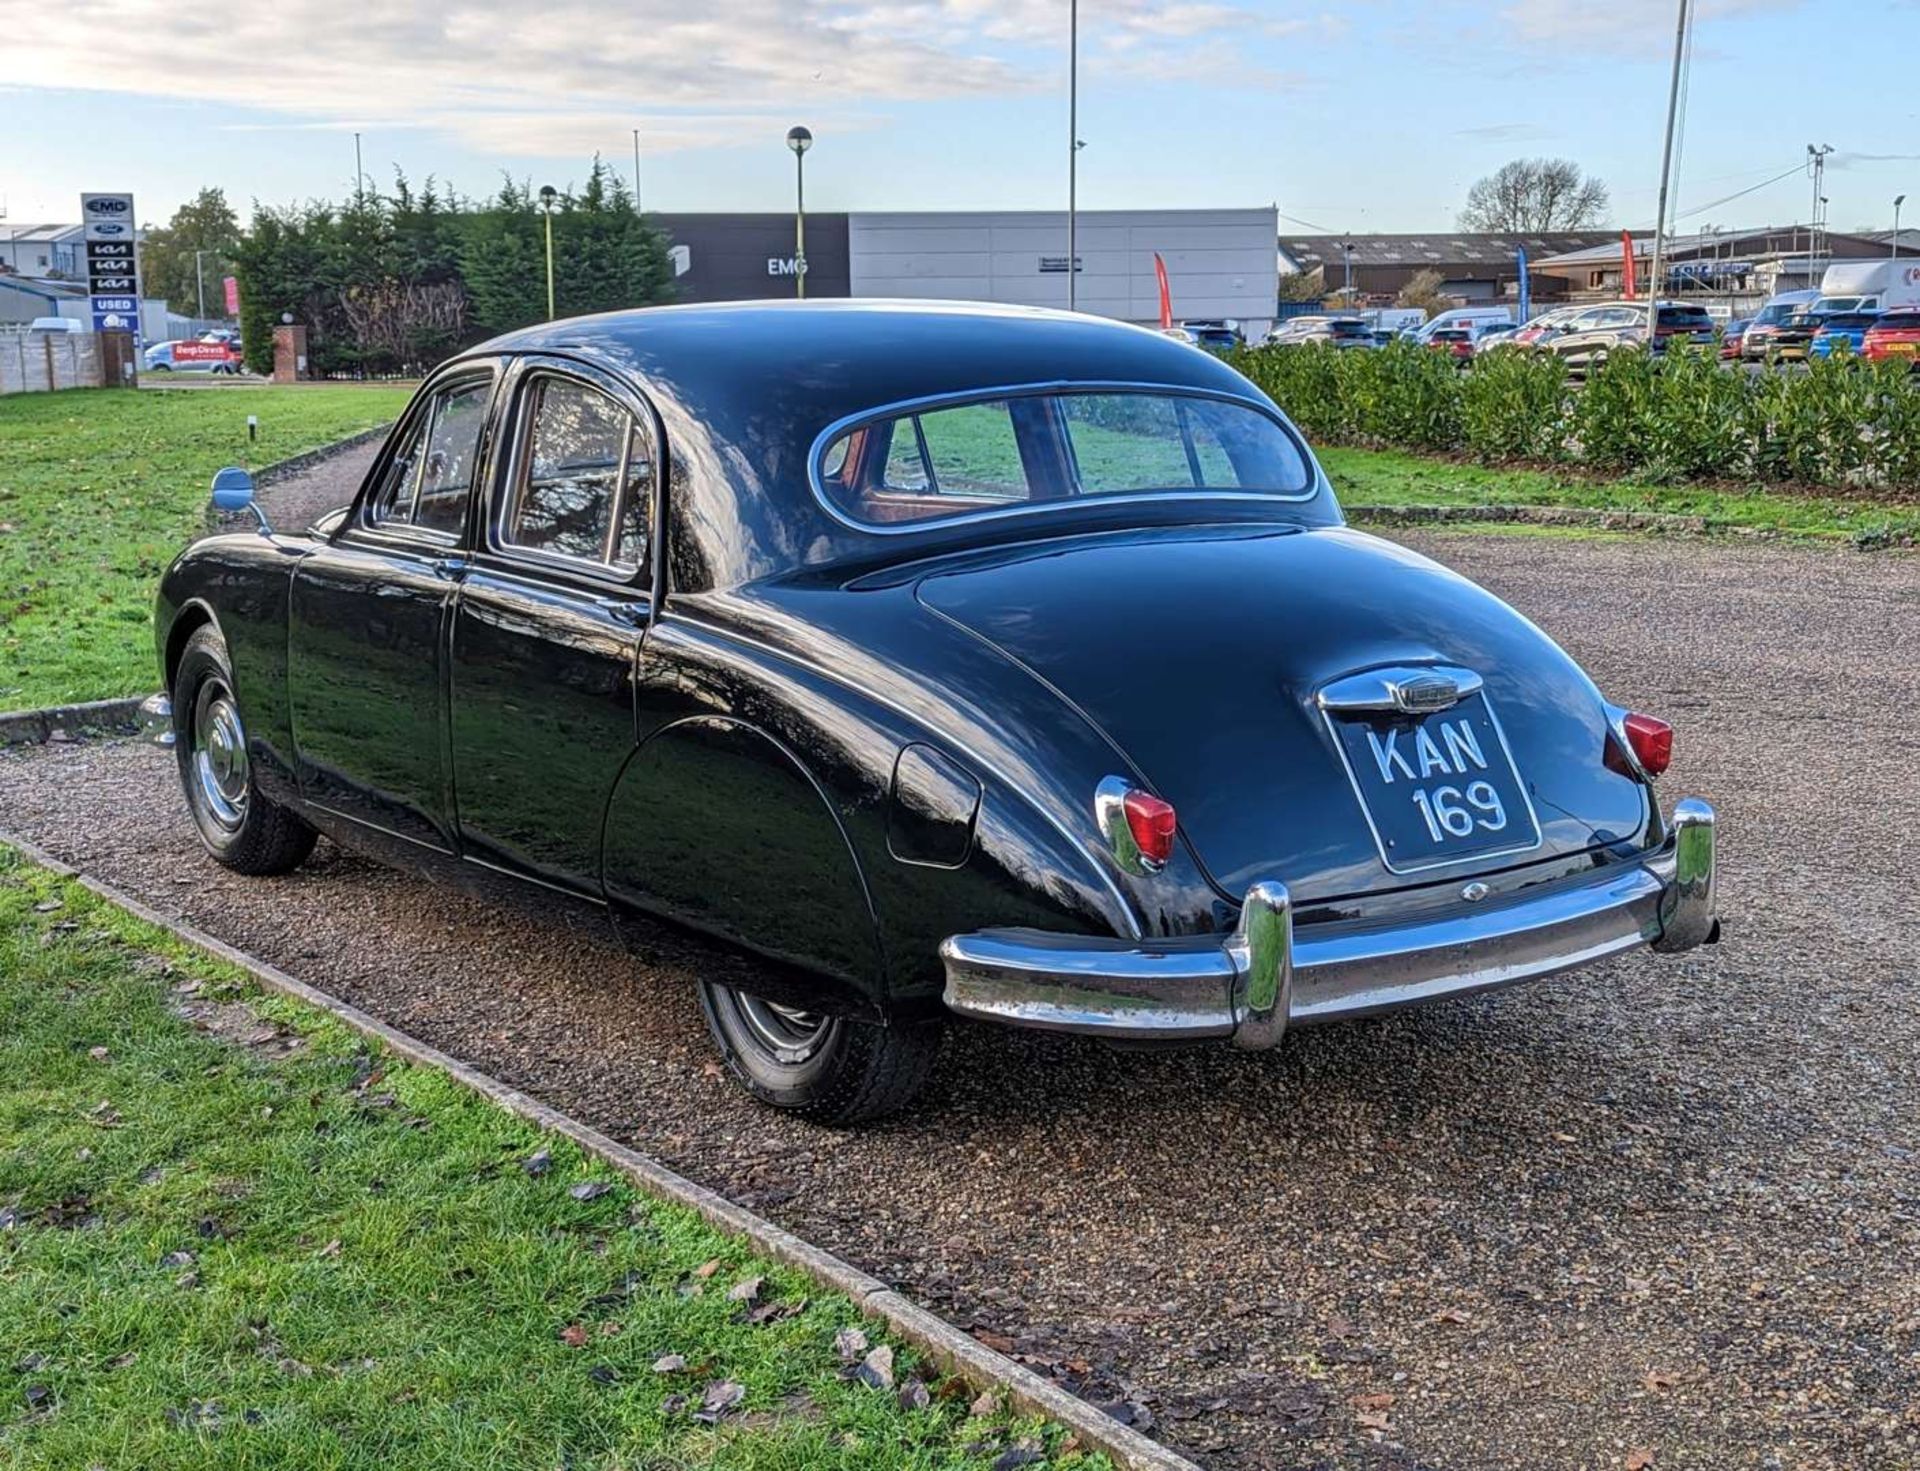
1662	1205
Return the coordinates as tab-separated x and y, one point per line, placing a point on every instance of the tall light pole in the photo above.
636	171
799	140
1898	200
1666	173
359	174
200	283
1817	166
1073	154
549	197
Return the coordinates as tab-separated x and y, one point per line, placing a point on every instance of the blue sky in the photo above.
1364	115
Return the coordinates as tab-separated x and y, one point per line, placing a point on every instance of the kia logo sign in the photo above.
108	206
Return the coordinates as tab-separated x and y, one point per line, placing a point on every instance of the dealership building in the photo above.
1221	263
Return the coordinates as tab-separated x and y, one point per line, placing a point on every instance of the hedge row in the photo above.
1843	422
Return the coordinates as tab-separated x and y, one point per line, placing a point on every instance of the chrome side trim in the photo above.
155	719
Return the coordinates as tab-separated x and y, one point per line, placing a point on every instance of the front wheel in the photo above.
830	1069
239	827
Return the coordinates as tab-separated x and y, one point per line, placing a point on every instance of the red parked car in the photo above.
1456	341
1731	335
1894	336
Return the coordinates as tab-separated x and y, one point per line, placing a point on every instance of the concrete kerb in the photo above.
36	727
945	1345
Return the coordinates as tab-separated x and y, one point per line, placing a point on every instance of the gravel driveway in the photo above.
1666	1208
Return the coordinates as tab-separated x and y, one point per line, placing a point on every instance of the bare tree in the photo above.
1535	194
1423	290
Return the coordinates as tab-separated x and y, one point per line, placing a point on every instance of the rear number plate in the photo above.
1437	788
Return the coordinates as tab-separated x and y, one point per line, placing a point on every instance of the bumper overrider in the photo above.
1254	983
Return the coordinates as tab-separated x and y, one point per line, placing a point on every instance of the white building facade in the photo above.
1221	263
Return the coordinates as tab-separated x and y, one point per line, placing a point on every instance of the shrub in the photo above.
1513	406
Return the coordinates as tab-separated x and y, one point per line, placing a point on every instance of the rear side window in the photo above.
429	480
582	480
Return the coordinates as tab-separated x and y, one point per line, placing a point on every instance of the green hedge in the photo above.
1842	422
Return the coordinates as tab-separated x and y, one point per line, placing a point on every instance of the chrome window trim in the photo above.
506	491
848	423
419	417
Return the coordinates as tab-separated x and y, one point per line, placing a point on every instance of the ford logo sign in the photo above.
111	229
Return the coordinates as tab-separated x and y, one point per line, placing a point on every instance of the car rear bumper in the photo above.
1253	984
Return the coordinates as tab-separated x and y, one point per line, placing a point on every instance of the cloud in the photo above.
1621	25
1503	132
535	80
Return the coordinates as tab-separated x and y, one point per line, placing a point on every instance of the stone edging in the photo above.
1590	518
36	727
954	1351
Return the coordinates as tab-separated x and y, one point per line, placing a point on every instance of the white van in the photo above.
1470	317
56	324
1869	286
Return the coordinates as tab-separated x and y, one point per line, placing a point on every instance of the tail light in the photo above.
1139	826
1648	741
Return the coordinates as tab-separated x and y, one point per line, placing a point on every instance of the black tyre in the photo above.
239	826
828	1069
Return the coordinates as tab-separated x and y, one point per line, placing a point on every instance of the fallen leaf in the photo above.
574	1335
98	1054
876	1369
590	1190
538	1163
986	1406
850	1344
721	1395
609	1330
602	1374
745	1291
1026	1453
1660	1380
47	906
669	1364
332	1248
1372	1401
707	1269
177	1259
1000	1343
1371	1420
1639	1459
914	1396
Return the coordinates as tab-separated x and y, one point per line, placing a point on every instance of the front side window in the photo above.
1057	447
581	486
429	479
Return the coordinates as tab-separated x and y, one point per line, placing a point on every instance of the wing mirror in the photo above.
233	492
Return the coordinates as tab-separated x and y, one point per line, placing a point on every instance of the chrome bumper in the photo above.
1264	977
156	719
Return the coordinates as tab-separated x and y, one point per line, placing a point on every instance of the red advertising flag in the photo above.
1629	282
233	297
1166	291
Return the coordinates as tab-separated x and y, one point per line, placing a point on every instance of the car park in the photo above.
1895	337
1755	341
853	669
1843	332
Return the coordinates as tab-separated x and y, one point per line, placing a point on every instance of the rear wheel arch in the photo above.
717	823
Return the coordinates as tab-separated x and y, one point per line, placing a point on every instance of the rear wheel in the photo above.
830	1069
239	827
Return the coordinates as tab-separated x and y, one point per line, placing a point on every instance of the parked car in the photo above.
1535	330
1770	319
1180	334
1730	336
1334	331
1842	332
1895	336
1493	334
198	355
935	676
1296	329
1462	316
1588	338
1216	336
1456	342
1793	338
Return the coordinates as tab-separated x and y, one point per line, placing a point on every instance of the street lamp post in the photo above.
549	196
200	281
799	140
1898	200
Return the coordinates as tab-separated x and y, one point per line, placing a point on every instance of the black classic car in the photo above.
960	661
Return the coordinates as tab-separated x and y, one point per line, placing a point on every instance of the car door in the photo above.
367	621
548	623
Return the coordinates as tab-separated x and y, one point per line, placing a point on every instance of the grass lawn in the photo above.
231	1235
1392	478
99	489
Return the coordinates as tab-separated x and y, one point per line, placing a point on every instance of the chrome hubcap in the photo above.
219	762
786	1033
